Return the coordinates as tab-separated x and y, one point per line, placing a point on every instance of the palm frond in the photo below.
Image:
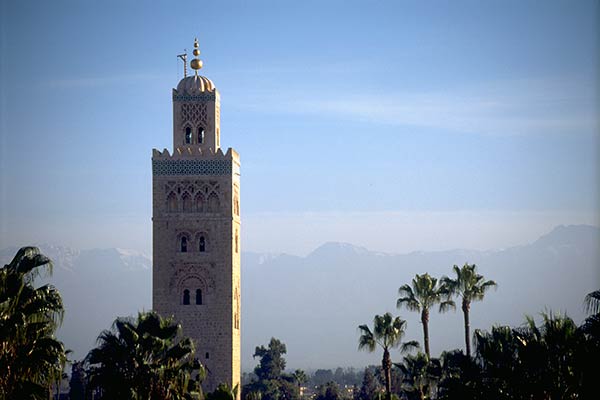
447	305
410	346
592	302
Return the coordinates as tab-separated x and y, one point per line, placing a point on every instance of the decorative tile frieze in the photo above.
209	96
191	167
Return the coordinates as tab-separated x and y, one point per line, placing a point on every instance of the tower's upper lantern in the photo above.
196	119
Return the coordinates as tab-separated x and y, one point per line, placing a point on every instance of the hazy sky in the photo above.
396	125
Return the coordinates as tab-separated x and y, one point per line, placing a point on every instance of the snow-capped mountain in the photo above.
315	303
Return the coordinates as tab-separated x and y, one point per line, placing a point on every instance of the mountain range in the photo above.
314	304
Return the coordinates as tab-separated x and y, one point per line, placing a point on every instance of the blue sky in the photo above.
397	125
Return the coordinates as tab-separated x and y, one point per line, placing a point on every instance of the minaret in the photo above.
196	230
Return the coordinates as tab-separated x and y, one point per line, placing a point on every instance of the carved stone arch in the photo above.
202	241
188	133
214	203
172	202
189	287
184	242
192	277
200	203
186	202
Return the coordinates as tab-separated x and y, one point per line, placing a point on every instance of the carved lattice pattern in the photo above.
195	113
191	167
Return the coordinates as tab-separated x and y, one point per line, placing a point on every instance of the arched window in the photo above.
188	135
184	243
172	202
199	203
213	203
236	241
198	296
200	135
187	202
202	244
186	297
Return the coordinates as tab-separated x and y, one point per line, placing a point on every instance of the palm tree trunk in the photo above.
386	364
465	308
425	322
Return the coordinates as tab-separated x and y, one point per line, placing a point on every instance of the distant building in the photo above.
196	230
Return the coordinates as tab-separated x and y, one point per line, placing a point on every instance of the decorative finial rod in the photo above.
196	63
183	58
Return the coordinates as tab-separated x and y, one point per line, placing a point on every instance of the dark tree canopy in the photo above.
329	391
370	387
144	358
272	363
271	382
31	359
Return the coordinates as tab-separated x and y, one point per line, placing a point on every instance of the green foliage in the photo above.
31	358
547	361
420	373
144	358
271	363
387	333
300	377
271	383
469	286
370	389
424	293
223	392
592	302
553	360
78	382
329	391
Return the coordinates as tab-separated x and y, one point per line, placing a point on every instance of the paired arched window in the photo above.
202	244
188	135
186	297
184	244
200	135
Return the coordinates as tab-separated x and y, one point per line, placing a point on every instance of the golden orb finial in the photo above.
196	63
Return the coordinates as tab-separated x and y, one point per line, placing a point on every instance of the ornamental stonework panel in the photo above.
194	113
191	167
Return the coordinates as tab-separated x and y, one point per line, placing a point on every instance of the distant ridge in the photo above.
314	303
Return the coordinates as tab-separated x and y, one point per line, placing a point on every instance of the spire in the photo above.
196	63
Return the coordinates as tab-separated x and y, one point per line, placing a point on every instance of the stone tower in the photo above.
196	230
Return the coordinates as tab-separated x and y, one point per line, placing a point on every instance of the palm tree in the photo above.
424	294
470	286
31	359
419	375
144	358
300	377
387	333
